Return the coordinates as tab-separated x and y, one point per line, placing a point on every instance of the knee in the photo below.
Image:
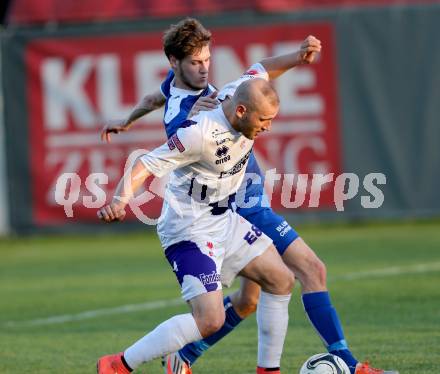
210	323
289	282
317	272
282	282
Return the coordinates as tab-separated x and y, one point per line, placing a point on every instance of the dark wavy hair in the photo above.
185	38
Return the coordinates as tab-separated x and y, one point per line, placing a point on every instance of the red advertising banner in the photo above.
76	84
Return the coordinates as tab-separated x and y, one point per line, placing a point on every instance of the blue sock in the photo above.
325	320
192	351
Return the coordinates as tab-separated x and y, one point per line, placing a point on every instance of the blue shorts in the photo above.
272	224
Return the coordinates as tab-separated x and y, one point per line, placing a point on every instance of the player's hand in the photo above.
310	47
204	103
113	127
111	212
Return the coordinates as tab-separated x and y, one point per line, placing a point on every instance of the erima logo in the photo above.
223	160
221	151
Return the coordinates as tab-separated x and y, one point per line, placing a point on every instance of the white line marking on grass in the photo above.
123	309
390	271
160	304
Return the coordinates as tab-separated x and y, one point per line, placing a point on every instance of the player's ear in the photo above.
173	61
240	111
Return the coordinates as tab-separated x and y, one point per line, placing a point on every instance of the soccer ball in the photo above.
324	363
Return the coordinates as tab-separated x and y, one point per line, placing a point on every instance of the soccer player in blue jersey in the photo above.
184	92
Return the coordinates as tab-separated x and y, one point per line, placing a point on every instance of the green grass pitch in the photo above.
384	281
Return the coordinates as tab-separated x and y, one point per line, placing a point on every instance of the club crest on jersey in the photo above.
222	154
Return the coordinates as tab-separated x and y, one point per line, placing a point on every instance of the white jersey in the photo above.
208	158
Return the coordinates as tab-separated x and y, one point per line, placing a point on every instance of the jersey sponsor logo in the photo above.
283	228
216	133
223	160
237	167
221	141
174	142
213	277
222	154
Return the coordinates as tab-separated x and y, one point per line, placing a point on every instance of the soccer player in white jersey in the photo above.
186	91
206	243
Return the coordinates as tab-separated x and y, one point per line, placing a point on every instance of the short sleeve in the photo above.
166	84
255	71
181	149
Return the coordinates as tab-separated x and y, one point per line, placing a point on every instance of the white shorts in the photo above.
203	263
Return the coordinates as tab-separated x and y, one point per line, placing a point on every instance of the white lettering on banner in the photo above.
227	66
63	92
295	101
80	93
109	88
299	144
255	52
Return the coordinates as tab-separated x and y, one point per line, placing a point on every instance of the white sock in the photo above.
272	319
168	337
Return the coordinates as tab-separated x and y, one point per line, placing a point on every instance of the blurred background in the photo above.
369	105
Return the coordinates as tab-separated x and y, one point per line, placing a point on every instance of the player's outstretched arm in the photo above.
132	180
183	148
148	104
277	65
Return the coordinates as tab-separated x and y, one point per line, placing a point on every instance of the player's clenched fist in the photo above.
111	212
310	47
